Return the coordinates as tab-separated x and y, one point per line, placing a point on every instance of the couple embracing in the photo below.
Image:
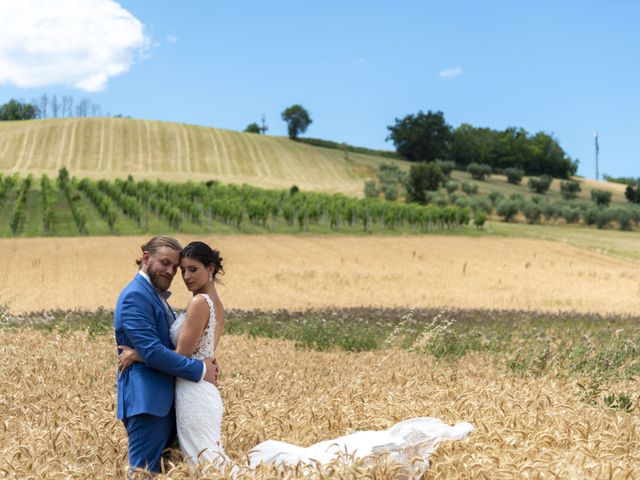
167	376
167	370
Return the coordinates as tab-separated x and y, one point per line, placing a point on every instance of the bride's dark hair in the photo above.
204	254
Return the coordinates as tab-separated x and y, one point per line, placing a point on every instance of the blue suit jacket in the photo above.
141	321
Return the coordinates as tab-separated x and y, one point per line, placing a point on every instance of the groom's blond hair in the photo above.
158	242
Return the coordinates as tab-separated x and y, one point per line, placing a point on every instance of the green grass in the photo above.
33	225
591	348
6	211
625	245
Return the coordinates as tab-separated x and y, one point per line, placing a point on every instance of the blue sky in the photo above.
568	68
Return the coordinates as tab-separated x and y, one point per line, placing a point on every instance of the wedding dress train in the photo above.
403	442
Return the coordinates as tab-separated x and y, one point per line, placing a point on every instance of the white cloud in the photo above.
81	43
172	39
451	72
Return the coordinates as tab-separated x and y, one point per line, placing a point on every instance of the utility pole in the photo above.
595	135
263	127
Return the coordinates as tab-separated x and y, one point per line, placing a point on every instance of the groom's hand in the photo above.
212	370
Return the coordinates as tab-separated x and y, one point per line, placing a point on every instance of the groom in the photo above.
145	390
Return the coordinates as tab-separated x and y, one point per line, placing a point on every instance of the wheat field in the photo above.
117	147
299	272
57	394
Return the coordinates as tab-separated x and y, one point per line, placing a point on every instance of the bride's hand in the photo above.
127	357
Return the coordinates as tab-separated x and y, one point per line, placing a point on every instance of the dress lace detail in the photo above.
199	407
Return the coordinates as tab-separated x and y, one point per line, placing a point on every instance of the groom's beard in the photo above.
159	281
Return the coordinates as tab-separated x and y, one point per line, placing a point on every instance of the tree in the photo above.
55	106
298	119
507	209
479	171
67	104
252	128
82	109
632	194
423	177
569	189
514	175
44	101
421	137
15	110
601	197
540	185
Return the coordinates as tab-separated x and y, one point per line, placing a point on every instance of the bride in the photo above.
196	334
199	407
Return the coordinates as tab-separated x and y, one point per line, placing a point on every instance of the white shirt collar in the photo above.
145	276
164	295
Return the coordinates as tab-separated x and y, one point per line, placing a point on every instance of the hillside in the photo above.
117	147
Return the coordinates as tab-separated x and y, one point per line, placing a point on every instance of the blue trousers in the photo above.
148	437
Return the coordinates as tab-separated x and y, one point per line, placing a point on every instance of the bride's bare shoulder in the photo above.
197	306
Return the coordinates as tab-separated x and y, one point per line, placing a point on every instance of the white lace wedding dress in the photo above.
199	405
199	411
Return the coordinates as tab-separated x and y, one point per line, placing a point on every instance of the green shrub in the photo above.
570	189
507	209
446	166
623	217
435	198
451	187
470	188
479	218
532	212
604	217
601	197
370	189
462	202
479	171
590	215
423	177
390	192
495	197
484	204
571	214
541	184
514	175
551	211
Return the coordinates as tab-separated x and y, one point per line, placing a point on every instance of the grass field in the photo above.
117	147
543	422
298	272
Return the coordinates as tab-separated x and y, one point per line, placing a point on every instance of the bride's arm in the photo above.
195	322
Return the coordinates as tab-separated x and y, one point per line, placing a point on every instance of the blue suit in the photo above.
146	390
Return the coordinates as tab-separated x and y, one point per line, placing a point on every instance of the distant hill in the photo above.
117	147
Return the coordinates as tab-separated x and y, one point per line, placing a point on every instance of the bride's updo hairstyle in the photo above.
204	254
